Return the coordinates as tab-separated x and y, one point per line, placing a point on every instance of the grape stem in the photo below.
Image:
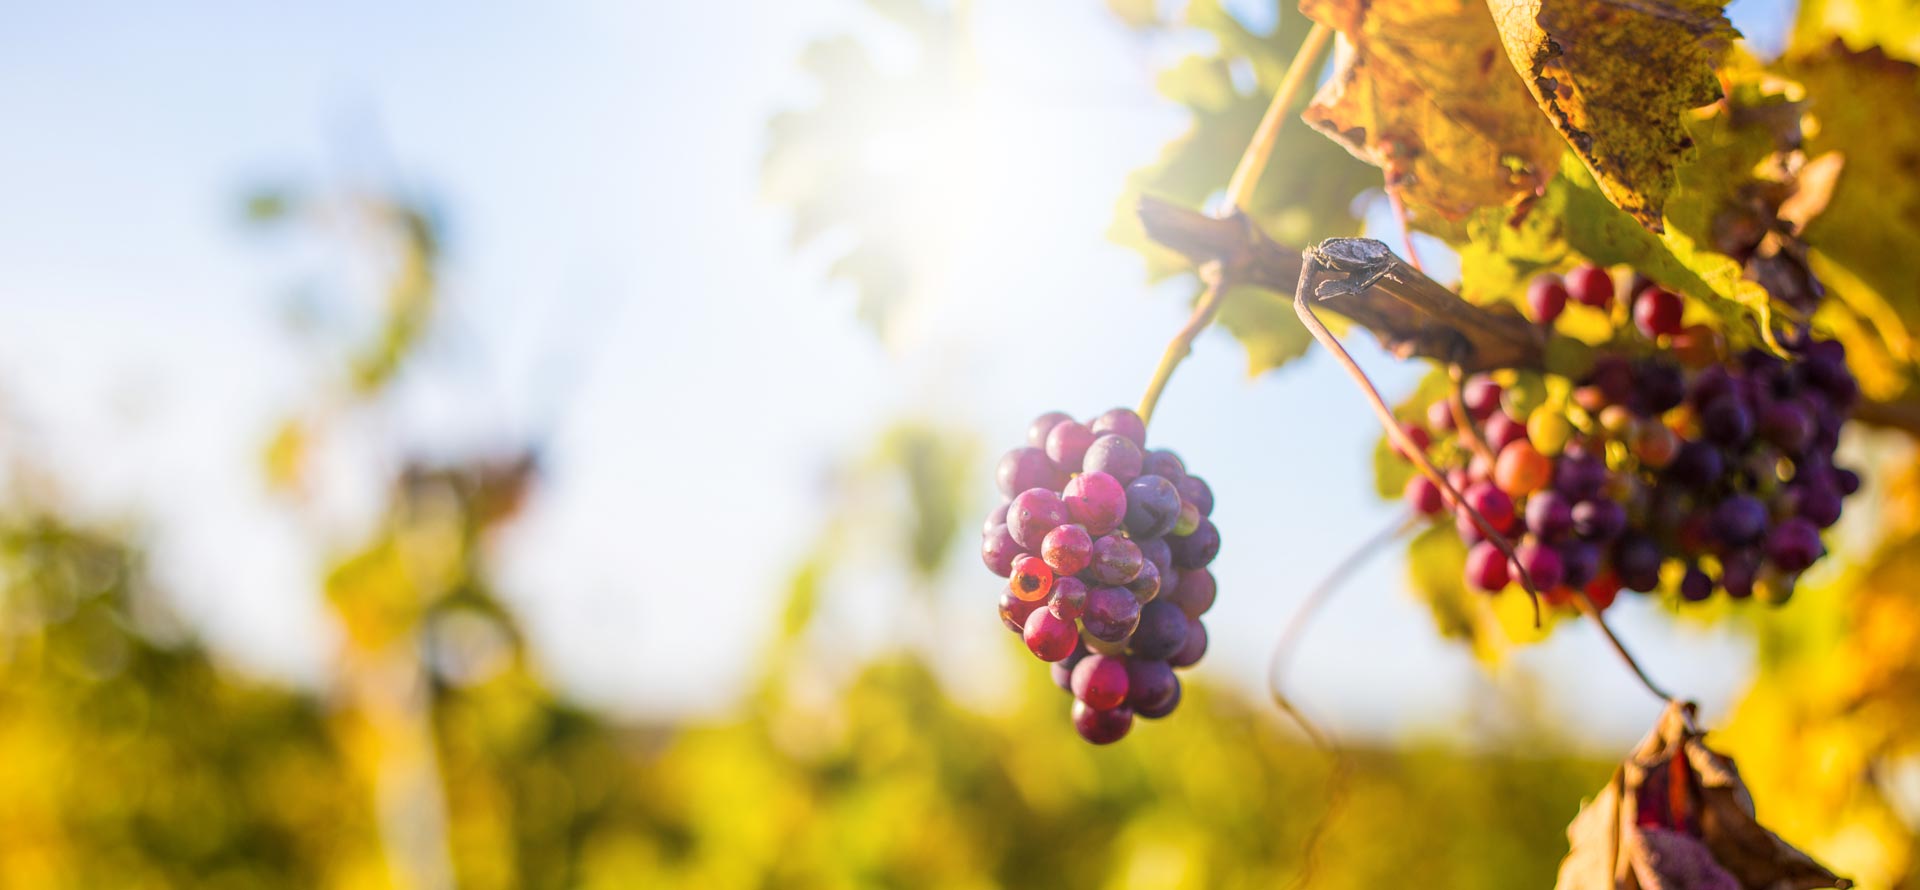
1588	609
1311	264
1246	177
1457	404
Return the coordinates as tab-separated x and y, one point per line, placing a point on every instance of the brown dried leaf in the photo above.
1419	92
1616	78
1677	817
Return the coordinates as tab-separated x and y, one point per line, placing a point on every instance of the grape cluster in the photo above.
1666	461
1105	547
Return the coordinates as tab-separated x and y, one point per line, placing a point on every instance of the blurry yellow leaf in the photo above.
285	456
1891	24
1420	91
1617	78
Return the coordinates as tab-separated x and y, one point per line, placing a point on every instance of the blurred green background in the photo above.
498	447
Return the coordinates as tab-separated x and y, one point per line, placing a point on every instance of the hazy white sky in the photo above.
613	273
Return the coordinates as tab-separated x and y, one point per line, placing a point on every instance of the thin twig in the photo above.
1182	343
1402	523
1457	404
1399	208
1302	306
1591	611
1253	161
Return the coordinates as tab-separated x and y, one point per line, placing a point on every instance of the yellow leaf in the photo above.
1616	79
1419	92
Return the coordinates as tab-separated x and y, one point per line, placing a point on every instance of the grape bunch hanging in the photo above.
1105	548
1666	463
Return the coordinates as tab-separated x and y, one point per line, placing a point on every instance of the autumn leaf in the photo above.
1616	79
1889	24
1676	816
1419	92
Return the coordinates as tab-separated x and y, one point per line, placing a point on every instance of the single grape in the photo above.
1033	514
1037	430
1025	468
1546	298
1115	456
1124	423
1818	504
1741	519
1493	504
1196	550
1590	286
1067	445
1416	434
1112	613
1738	571
1100	681
1116	560
1503	430
1579	563
1542	563
1050	637
1153	507
1619	422
1162	631
1636	558
1014	611
1657	386
1194	490
998	550
1031	580
1101	727
1069	599
1165	709
1486	567
1726	421
1067	549
1481	395
1655	445
1549	515
1697	466
1165	464
1146	585
1695	586
1788	425
998	516
1096	501
1602	590
1195	592
1440	417
1548	429
1187	521
1424	496
1155	550
1195	647
1848	481
1579	475
1794	545
1149	683
1657	311
1599	519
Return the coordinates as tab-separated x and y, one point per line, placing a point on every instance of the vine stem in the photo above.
1310	263
1246	176
1593	612
1403	522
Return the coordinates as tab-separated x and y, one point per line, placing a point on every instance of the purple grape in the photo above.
1100	681
997	517
998	550
1695	586
1848	481
1097	501
1155	550
1069	598
1614	378
1048	636
1738	520
1067	549
1579	475
1549	515
1146	585
1481	396
1150	684
1196	645
1487	567
1112	613
1124	423
1424	496
1636	559
1726	421
1195	592
1067	445
1542	563
1579	563
1101	727
1025	468
1738	570
1698	466
1787	425
1162	631
1034	513
1116	560
1494	505
1794	545
1153	507
1658	387
1163	710
1165	464
1820	504
1502	431
1194	490
1037	430
1599	519
1196	550
1115	456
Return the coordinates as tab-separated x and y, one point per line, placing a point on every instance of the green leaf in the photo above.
1266	326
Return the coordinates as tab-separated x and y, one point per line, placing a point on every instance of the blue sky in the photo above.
614	276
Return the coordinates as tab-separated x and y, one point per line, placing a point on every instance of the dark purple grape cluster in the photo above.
1105	547
1666	457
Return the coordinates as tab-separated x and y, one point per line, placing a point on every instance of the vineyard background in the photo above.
454	448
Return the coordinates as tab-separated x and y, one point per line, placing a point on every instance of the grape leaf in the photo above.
1889	24
1266	326
1616	78
1418	91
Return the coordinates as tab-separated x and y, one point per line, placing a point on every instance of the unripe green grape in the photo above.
1548	429
1188	521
